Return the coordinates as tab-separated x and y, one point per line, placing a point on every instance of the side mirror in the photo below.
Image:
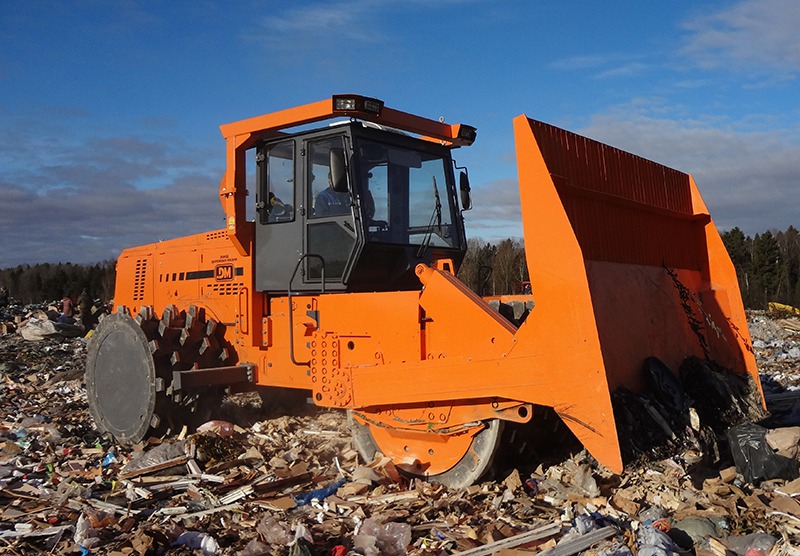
463	185
338	171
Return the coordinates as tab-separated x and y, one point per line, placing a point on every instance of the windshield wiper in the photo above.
435	217
438	209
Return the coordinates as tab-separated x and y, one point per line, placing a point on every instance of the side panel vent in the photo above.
139	278
225	289
216	235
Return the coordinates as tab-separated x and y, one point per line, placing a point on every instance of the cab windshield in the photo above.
406	195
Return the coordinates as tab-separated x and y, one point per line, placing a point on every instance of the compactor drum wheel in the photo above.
456	460
129	372
121	378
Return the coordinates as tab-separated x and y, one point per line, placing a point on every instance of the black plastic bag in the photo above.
665	385
754	458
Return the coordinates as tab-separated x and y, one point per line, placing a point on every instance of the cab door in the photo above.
331	234
279	221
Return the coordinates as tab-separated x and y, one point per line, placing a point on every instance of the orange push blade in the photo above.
624	257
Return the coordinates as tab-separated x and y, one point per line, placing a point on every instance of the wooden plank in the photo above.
578	544
517	540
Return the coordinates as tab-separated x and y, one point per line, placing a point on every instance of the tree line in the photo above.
494	268
767	266
46	282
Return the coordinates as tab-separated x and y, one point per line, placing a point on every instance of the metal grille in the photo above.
623	208
139	279
216	235
226	289
590	165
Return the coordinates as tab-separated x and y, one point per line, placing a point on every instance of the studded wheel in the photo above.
129	372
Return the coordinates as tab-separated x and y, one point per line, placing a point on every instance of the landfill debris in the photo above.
781	307
253	483
37	322
754	457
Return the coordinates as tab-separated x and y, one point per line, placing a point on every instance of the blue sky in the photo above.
110	111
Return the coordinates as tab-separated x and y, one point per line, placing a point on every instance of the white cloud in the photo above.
340	32
580	62
747	178
317	28
624	70
94	223
603	66
496	213
83	200
752	34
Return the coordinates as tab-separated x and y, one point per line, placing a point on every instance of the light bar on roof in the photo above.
355	103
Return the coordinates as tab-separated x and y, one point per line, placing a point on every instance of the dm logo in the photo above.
223	272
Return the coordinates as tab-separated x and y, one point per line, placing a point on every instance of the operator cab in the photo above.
357	203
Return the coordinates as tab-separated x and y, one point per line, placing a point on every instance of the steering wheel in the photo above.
280	212
382	225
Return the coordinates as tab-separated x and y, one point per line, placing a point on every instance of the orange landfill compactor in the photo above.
342	284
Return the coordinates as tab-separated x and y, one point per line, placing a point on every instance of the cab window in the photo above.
324	201
277	194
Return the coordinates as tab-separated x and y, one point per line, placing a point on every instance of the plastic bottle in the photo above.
203	541
318	494
754	544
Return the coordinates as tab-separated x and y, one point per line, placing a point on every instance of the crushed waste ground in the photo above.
704	476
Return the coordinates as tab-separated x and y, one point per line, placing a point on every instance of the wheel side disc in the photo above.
453	460
121	378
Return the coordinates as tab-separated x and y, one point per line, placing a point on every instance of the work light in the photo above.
357	103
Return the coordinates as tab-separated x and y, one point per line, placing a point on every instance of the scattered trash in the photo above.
318	494
654	542
754	544
386	539
255	484
195	539
754	458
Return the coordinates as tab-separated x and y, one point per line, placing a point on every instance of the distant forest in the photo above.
767	265
47	283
